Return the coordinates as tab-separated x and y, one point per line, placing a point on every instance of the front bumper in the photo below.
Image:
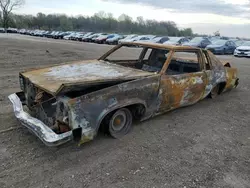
241	54
42	131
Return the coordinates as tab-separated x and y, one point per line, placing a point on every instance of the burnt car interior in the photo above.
181	65
152	60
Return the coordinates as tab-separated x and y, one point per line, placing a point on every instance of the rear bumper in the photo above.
42	131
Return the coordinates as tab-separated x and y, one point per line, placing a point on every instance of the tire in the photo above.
214	92
120	123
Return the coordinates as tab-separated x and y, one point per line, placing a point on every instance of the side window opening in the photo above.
156	60
132	53
184	62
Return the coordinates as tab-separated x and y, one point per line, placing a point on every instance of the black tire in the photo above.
214	92
120	123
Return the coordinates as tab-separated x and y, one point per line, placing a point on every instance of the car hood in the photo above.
214	46
243	48
82	73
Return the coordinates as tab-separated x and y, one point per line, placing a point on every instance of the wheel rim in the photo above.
120	123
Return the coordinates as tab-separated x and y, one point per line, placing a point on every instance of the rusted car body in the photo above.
72	101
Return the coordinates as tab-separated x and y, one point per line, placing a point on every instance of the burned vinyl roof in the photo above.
160	46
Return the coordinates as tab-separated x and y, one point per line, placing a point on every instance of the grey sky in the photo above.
230	17
218	7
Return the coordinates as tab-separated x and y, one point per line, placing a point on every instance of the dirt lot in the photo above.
204	145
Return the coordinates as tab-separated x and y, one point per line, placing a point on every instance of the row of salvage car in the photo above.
217	45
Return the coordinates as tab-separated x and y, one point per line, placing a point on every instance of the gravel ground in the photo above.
204	145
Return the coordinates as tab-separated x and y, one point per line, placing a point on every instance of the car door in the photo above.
232	47
178	87
227	47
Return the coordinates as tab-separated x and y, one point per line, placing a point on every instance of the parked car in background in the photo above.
141	38
50	34
127	38
224	38
32	32
176	41
102	38
222	47
97	35
47	34
114	39
77	36
27	32
59	35
2	30
39	33
12	30
67	37
199	42
22	31
85	36
158	40
214	38
89	38
54	35
243	50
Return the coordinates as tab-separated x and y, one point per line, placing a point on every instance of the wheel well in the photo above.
222	86
137	110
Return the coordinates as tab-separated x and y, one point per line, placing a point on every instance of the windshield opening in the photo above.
138	57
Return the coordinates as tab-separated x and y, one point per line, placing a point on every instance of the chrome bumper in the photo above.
49	137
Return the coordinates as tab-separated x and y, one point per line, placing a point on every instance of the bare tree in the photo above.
7	7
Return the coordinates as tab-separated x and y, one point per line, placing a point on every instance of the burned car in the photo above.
73	101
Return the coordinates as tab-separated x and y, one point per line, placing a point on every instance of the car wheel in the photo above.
120	123
215	92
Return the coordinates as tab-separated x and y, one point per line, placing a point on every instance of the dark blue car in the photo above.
222	47
200	42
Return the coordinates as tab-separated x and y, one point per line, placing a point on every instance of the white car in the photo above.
141	38
127	38
67	37
243	50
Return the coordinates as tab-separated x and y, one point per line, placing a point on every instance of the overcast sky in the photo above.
230	17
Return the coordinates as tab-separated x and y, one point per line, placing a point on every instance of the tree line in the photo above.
99	22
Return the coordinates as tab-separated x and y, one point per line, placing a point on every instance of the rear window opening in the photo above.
183	62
